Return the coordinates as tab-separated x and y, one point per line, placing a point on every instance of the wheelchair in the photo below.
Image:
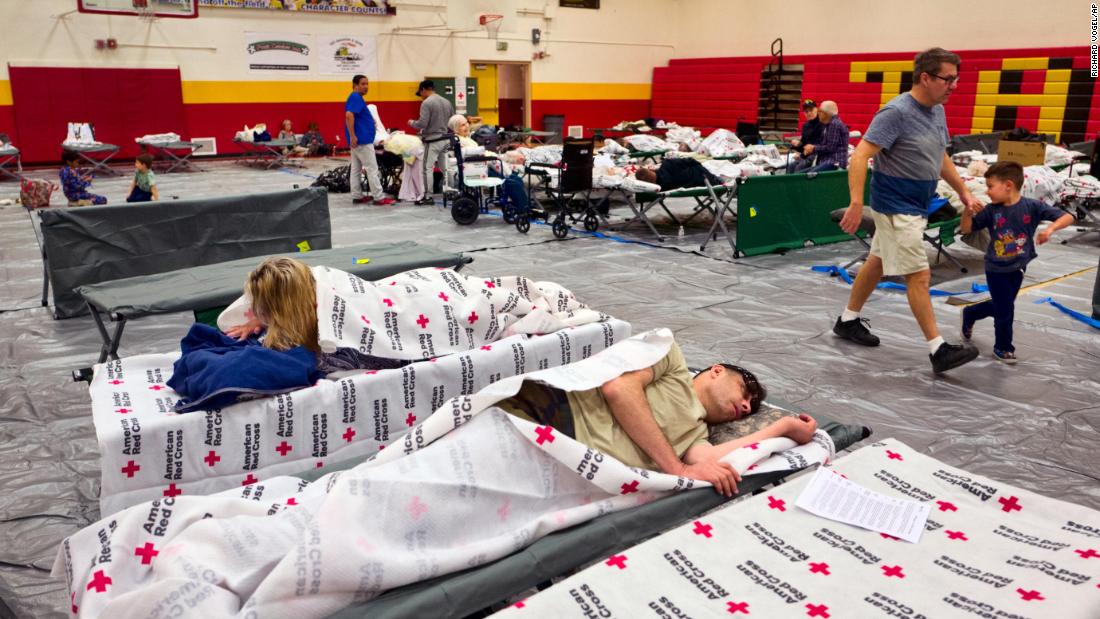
472	196
570	195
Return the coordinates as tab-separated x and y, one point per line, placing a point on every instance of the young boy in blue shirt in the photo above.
1011	221
144	186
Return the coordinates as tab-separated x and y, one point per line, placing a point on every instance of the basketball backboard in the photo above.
141	8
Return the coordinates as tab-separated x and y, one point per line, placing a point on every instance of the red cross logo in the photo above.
422	321
76	608
486	348
472	318
146	552
291	501
956	535
131	468
1028	596
820	568
1087	554
114	382
490	284
416	509
545	434
212	458
172	491
370	372
319	464
817	610
99	582
753	446
703	529
248	481
349	434
443	296
504	509
629	488
888	536
283	448
520	604
388	302
1010	504
618	561
393	283
156	387
410	420
737	607
752	467
892	570
123	410
946	506
893	456
364	319
774	503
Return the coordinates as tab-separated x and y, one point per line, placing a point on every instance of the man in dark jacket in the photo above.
811	134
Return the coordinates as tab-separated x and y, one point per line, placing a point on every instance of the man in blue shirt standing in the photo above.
359	131
907	138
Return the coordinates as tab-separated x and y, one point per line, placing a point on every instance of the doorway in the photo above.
505	92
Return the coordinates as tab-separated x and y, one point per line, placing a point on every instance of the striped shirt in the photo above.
833	144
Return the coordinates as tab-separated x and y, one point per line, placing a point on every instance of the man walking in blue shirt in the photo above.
359	130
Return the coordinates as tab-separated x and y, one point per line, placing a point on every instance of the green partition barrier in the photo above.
785	211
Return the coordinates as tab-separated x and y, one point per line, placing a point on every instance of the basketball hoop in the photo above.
491	23
145	12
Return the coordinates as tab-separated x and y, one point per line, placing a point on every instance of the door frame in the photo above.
526	67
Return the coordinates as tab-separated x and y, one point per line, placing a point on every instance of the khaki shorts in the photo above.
899	243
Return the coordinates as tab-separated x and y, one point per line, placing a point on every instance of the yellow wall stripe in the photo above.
573	91
1017	64
5	92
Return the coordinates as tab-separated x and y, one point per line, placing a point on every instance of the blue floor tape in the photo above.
935	292
1088	320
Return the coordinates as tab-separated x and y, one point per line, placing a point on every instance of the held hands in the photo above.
853	216
720	474
799	429
972	204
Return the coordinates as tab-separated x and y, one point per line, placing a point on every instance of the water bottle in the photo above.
680	233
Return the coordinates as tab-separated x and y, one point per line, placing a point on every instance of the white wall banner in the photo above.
350	55
278	51
348	7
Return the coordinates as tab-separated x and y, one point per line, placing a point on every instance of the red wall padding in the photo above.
121	104
7	120
590	114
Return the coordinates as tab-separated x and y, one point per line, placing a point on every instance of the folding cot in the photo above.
642	156
714	199
8	155
938	234
103	153
563	182
268	154
175	154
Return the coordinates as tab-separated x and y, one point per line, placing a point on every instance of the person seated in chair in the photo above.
831	148
657	418
677	173
811	132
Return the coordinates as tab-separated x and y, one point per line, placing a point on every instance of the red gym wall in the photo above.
1046	90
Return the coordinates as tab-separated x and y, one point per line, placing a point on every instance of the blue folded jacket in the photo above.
216	370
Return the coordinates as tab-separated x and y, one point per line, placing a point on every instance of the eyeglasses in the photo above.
752	386
947	79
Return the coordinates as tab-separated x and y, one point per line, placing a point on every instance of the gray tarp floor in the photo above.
1034	425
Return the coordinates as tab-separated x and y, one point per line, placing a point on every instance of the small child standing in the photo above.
144	186
1011	221
75	183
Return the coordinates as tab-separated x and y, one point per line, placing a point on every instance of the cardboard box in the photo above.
1023	153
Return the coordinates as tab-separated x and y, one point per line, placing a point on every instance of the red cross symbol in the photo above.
629	488
820	568
416	509
956	535
172	491
545	434
422	321
248	481
892	570
1087	554
319	464
489	284
1028	596
703	529
774	503
888	536
370	372
76	608
1010	504
156	387
393	283
99	582
752	467
737	607
618	561
146	552
283	448
131	468
349	434
212	458
753	446
291	501
946	506
817	610
123	410
388	302
443	296
486	348
364	319
520	604
472	318
114	382
410	420
893	456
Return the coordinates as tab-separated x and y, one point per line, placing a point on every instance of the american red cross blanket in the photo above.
465	486
988	550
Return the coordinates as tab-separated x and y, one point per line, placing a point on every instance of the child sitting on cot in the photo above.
1011	221
75	183
280	305
144	186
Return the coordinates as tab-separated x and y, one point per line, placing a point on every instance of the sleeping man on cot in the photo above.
657	418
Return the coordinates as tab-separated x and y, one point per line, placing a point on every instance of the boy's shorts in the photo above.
899	243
